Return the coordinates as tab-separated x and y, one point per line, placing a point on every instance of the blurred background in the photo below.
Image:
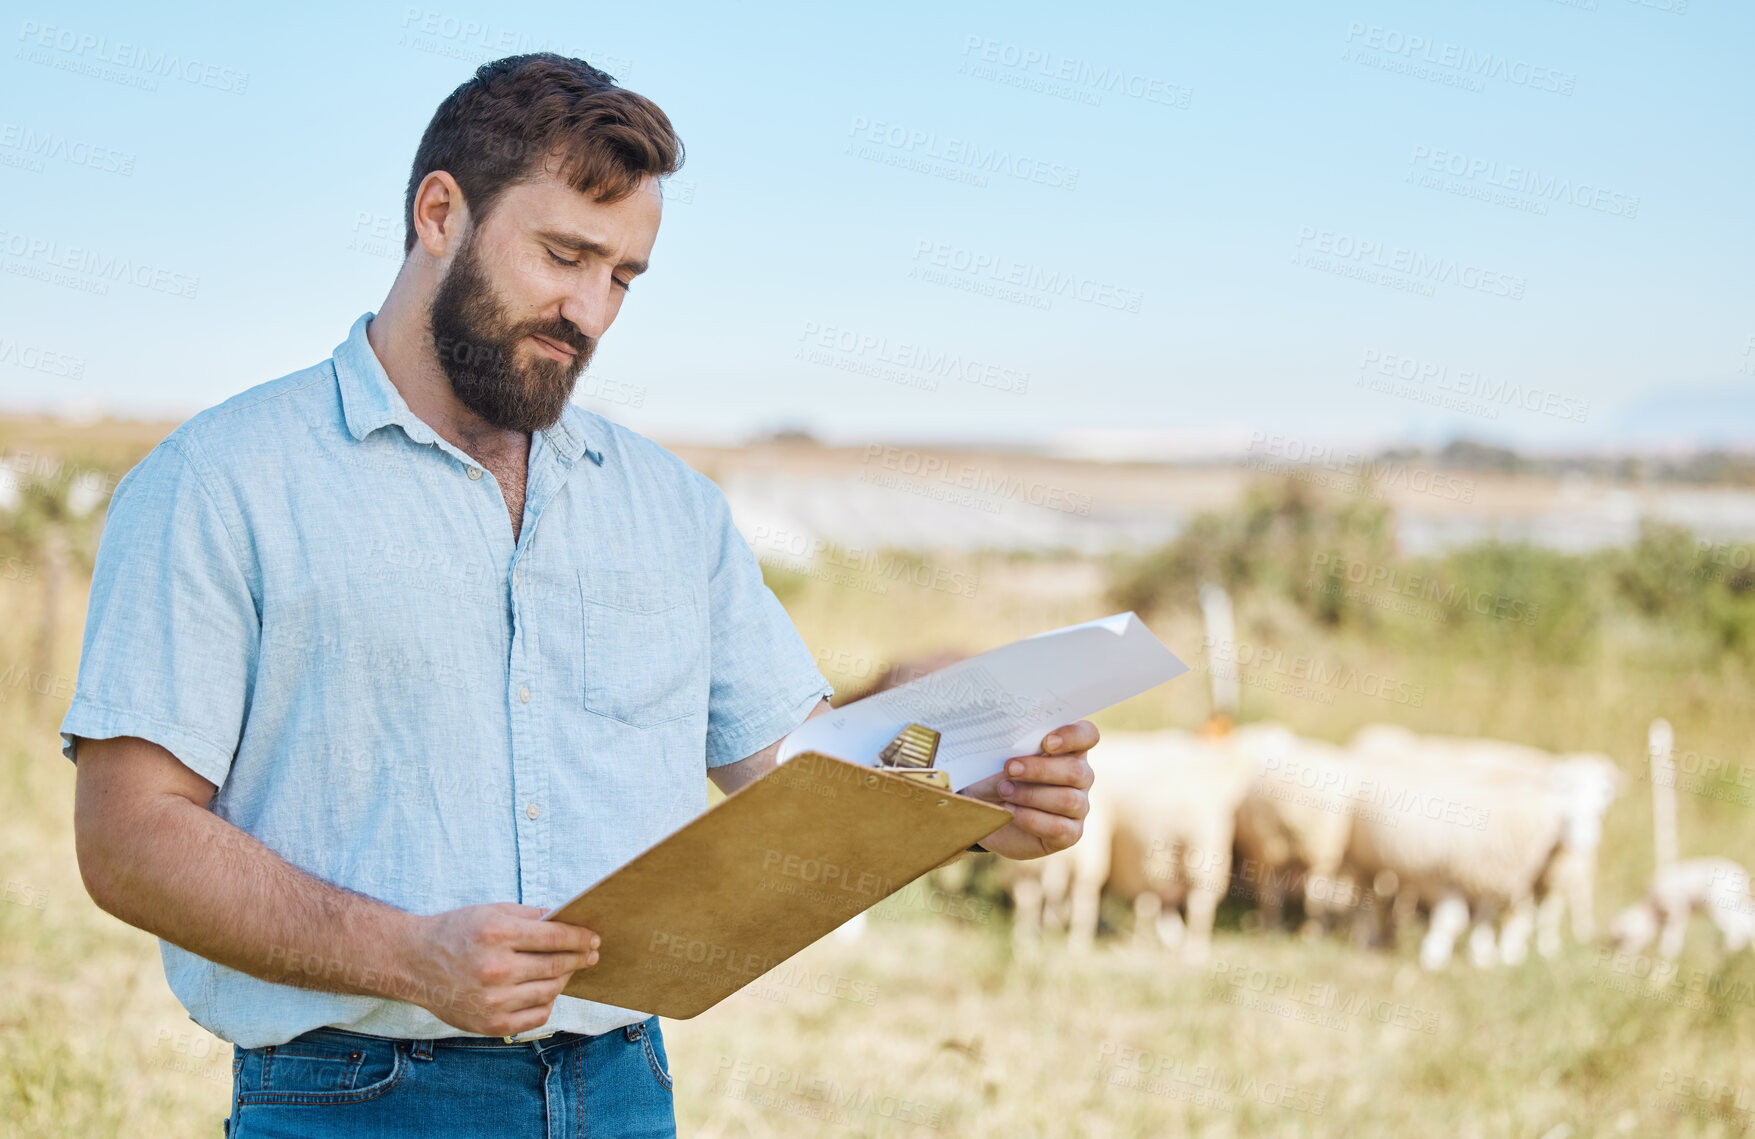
1394	361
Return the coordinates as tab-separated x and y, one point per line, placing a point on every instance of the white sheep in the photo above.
1461	841
1293	823
1159	832
1040	888
1578	786
1717	887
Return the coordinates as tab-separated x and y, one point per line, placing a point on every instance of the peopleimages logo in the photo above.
1048	70
1419	267
1425	587
989	485
1376	474
1464	62
1199	1081
960	153
902	361
130	63
1324	996
455	37
800	552
33	147
1522	180
41	359
1299	667
87	269
999	269
1461	390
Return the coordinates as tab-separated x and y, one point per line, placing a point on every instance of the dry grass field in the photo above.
933	1025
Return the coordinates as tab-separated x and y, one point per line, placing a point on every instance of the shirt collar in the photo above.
370	401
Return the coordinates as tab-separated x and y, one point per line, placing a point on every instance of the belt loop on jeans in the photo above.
421	1049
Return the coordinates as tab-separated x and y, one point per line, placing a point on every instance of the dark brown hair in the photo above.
526	115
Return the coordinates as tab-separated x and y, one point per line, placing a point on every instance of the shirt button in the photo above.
514	577
524	695
474	473
531	811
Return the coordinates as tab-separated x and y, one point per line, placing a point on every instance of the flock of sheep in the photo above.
1482	837
1486	837
1474	833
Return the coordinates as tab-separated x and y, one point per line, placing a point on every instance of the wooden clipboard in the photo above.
759	876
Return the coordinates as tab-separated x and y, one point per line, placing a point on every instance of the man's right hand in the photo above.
495	969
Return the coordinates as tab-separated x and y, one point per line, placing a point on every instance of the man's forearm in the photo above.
179	871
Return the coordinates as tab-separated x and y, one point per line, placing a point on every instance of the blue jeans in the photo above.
329	1083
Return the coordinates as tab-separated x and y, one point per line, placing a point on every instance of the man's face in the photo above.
529	292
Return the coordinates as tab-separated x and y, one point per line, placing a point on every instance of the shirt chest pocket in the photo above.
645	647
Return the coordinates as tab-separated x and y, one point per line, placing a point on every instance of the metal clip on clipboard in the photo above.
911	754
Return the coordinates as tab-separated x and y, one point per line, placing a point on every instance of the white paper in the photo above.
999	704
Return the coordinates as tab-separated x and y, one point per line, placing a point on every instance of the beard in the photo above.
477	343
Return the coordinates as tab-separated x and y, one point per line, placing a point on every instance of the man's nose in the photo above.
588	307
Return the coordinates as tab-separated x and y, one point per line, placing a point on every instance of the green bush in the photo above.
1334	560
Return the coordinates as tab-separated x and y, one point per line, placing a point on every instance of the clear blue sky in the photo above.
1216	166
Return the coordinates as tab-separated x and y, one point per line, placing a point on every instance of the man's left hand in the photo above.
1045	792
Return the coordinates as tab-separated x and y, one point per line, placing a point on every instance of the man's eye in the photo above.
626	285
559	260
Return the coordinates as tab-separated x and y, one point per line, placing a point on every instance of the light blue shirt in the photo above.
315	602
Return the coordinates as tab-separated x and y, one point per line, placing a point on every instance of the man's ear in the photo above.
440	215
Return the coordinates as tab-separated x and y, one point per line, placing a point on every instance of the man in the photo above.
388	656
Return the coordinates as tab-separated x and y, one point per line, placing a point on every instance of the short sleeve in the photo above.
764	680
172	629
